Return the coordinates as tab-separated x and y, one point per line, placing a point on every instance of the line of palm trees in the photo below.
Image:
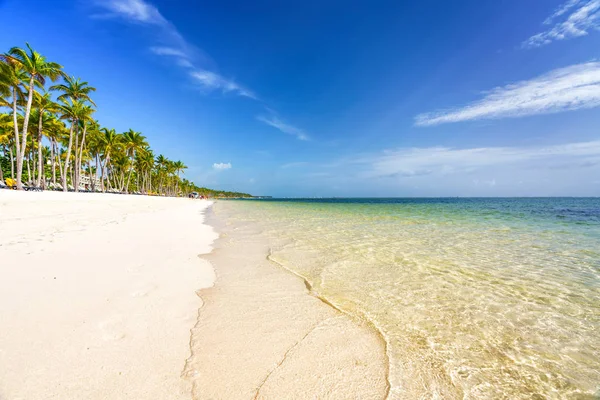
78	147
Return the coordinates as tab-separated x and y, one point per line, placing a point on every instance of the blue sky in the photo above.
342	98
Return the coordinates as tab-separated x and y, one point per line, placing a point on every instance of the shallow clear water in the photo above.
476	298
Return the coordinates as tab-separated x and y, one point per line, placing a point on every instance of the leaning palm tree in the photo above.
37	69
132	142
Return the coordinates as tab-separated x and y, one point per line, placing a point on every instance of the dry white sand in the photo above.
97	294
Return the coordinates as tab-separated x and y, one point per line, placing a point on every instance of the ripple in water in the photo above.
477	298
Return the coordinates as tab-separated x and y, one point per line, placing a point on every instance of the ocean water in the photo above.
475	298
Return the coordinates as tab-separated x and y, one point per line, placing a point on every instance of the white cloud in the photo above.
133	10
210	80
412	162
168	51
571	88
283	127
584	16
563	8
221	166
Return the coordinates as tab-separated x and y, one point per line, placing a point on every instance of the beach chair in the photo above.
3	185
11	183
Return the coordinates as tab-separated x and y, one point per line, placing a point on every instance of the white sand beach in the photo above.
98	294
101	298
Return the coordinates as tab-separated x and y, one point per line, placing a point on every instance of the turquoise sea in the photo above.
475	298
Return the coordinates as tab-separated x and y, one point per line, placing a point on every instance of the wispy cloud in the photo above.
172	45
582	16
168	51
276	123
221	166
571	88
133	10
210	81
183	54
411	162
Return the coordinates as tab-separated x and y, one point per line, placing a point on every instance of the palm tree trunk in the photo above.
1	172
21	155
92	176
12	163
53	158
28	168
130	171
75	169
66	166
81	155
96	174
17	144
104	174
38	182
34	169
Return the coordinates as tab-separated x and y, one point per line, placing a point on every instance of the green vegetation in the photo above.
81	154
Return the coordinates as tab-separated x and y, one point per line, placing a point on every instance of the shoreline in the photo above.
270	326
376	330
144	297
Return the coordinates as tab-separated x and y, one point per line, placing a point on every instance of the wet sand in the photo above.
262	335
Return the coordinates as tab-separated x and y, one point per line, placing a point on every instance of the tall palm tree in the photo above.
55	132
6	140
37	69
84	120
44	105
132	142
70	110
12	77
144	164
179	167
111	142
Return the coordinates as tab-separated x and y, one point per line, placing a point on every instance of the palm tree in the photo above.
44	105
71	110
74	89
145	164
55	132
179	167
37	70
11	78
84	119
5	140
111	142
132	142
